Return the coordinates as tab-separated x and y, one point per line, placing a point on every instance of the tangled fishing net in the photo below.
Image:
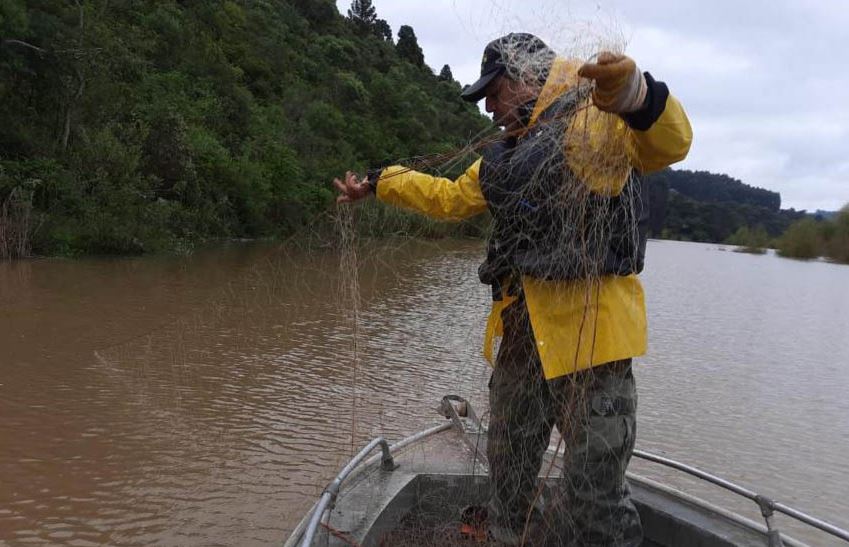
553	220
574	222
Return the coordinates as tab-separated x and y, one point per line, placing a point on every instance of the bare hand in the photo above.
351	190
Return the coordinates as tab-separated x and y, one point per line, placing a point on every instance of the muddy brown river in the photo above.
208	399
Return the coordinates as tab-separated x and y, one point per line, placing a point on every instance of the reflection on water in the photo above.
208	400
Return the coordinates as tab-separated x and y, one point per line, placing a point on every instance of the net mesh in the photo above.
565	206
565	197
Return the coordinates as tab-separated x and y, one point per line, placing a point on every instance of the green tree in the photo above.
754	241
382	30
837	244
445	74
801	240
363	14
408	46
166	151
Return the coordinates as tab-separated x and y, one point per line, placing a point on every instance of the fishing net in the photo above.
566	206
555	221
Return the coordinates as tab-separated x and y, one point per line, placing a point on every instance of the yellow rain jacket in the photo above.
577	324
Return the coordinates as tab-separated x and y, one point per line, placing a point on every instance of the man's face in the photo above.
504	96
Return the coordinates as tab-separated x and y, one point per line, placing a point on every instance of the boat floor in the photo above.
428	530
420	502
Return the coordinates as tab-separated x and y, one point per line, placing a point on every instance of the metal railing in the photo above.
328	497
767	506
332	490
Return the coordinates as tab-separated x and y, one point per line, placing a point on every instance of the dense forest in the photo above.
709	207
133	127
714	208
141	126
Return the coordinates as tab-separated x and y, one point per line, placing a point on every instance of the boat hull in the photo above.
420	501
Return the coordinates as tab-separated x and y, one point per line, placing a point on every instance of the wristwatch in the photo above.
372	176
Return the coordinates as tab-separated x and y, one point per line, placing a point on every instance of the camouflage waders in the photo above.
595	412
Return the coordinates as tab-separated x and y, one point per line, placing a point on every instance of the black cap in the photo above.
511	51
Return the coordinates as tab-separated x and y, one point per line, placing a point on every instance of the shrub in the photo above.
801	240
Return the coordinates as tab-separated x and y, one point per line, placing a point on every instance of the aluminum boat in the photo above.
414	493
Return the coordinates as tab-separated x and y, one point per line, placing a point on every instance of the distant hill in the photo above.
824	215
719	188
710	207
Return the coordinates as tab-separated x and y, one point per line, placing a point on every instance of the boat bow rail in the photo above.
307	528
767	506
332	490
463	419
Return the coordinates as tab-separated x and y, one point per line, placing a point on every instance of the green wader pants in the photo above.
595	412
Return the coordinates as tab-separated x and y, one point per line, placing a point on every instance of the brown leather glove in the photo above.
620	87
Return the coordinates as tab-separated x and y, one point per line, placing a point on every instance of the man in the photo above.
568	240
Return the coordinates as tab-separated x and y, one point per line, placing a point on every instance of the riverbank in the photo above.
20	236
807	238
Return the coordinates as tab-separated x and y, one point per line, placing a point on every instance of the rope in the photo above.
340	535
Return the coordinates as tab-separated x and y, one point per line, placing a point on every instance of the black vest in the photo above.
547	223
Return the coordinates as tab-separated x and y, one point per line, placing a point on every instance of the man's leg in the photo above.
519	426
598	422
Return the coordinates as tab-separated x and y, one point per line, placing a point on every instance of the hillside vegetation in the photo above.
132	127
812	238
141	126
710	207
715	208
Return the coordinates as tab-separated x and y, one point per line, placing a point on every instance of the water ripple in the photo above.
224	425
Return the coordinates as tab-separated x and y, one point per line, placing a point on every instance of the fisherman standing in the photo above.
570	216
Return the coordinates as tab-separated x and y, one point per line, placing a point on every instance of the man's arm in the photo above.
436	197
660	133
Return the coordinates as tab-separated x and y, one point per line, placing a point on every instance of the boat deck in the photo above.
420	502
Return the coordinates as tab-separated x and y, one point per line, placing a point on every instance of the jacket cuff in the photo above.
653	107
373	175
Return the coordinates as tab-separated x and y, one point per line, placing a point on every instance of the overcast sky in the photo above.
765	83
